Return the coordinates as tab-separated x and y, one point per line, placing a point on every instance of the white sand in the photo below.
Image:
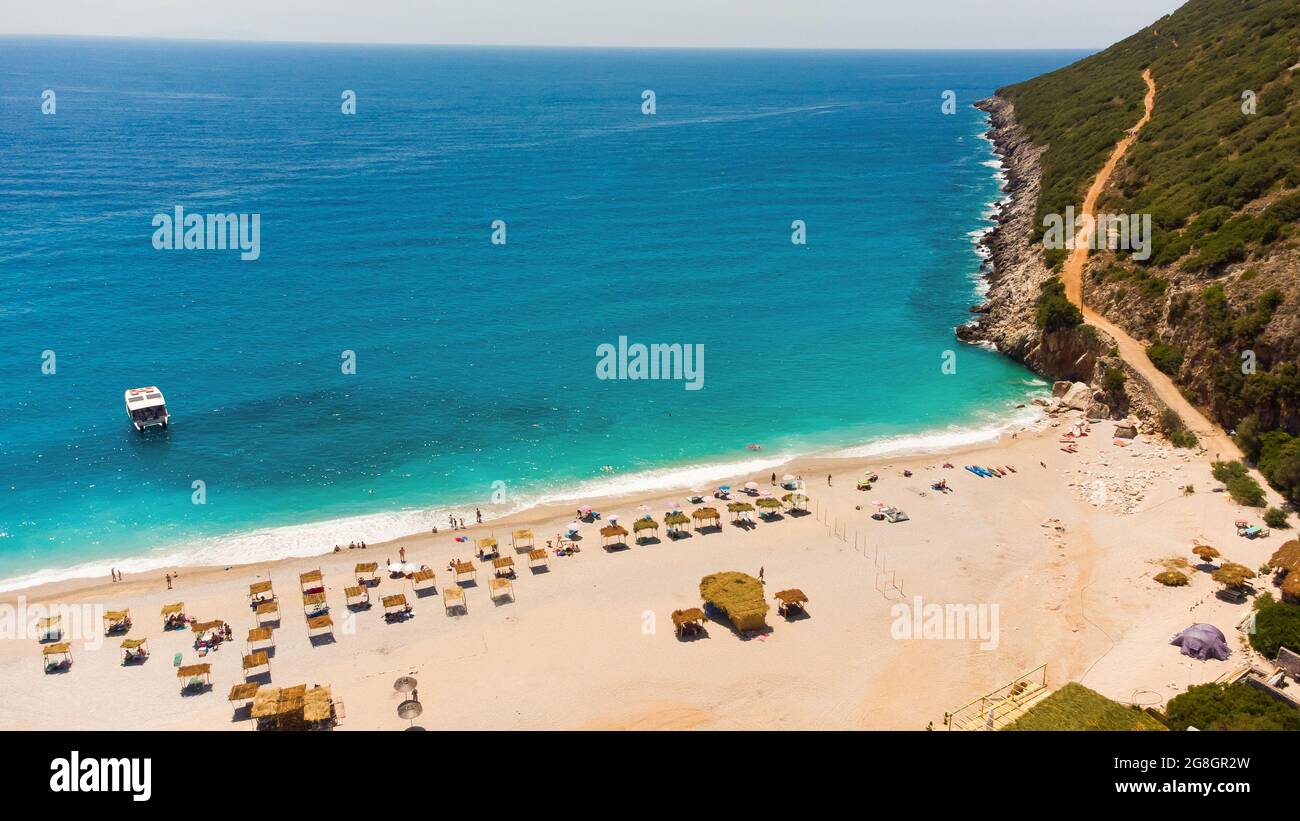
591	644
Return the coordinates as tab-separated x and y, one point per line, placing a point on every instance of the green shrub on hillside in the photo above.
1276	517
1277	624
1231	707
1168	358
1243	489
1055	312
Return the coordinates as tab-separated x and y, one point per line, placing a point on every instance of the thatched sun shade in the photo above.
503	563
739	507
270	702
254	660
200	627
1291	585
191	670
792	596
421	576
367	568
47	624
499	587
115	620
677	519
244	692
464	567
258	588
613	530
395	602
173	609
739	596
320	623
259	634
688	616
311	577
769	503
317	704
131	644
1206	552
351	593
1232	574
1286	557
452	597
313	599
57	649
704	513
644	524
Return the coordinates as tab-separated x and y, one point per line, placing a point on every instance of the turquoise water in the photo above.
475	380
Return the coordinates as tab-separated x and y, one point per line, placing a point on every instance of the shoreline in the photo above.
669	483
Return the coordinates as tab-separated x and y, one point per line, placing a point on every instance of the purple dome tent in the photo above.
1203	641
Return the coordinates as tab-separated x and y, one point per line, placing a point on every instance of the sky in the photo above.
680	23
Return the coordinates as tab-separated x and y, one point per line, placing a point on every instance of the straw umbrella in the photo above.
1208	554
770	505
645	524
1233	577
738	509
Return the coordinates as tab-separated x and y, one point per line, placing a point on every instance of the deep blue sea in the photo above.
475	381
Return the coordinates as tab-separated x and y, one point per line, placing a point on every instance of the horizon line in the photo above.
555	46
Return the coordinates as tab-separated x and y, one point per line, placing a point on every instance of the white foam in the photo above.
319	538
951	438
664	479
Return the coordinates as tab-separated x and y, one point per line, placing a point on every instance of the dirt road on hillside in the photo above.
1212	437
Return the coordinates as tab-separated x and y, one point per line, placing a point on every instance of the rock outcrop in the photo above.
1016	273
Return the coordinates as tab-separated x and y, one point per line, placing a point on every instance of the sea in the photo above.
462	258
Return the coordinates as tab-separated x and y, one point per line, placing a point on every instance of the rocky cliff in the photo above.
1016	275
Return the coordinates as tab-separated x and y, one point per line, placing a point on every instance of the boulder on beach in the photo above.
1098	410
1077	397
1126	431
1059	389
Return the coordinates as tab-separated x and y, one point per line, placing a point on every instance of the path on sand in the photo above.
1212	437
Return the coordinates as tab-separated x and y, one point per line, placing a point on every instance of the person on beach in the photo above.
828	480
478	515
401	554
169	581
760	574
773	478
112	574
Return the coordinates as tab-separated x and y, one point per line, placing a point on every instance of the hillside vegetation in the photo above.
1218	170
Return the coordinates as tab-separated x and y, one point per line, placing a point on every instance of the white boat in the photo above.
146	408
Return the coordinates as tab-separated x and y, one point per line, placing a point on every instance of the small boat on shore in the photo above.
146	408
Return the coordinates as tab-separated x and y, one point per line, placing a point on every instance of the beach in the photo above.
1064	549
